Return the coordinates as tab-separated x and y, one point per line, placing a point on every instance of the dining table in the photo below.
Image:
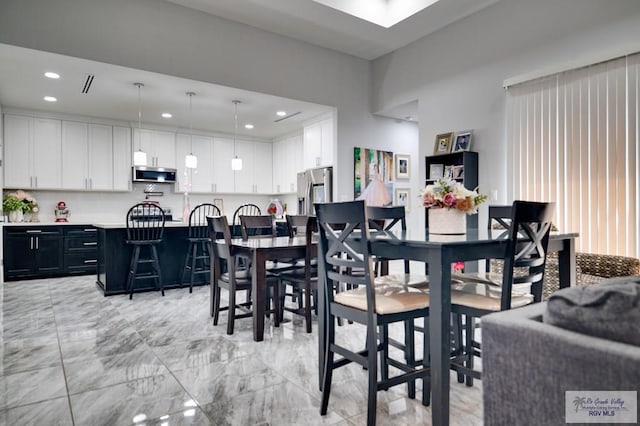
438	252
261	250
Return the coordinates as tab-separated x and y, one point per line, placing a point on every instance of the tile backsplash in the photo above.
101	207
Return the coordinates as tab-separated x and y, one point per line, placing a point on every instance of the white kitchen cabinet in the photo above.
33	152
159	145
122	158
287	162
100	157
202	177
318	143
256	173
75	152
223	176
263	168
87	156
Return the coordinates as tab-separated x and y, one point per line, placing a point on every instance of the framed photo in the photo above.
448	172
403	163
462	141
458	172
443	143
436	171
402	197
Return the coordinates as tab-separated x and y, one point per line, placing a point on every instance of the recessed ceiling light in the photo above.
50	99
248	126
166	115
50	74
281	113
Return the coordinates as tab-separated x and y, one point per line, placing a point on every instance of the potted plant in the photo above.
449	202
14	206
21	206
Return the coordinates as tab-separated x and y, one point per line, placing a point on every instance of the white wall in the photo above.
457	72
166	38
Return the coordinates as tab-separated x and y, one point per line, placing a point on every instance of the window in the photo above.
573	138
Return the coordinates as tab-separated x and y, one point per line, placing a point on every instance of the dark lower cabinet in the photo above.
49	251
32	252
80	250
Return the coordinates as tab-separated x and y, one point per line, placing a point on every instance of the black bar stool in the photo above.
145	228
196	261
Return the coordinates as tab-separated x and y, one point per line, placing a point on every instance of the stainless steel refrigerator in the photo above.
314	186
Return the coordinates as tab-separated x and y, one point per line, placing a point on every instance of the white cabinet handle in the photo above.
91	261
30	243
90	244
37	243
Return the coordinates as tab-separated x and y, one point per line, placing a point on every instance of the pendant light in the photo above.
236	163
191	161
139	157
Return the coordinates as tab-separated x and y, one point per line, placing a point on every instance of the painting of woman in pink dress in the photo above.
374	168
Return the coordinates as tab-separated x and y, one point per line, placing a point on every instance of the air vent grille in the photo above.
87	83
288	116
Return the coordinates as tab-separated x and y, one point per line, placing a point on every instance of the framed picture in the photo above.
462	141
402	166
448	172
458	172
443	143
436	171
373	176
403	197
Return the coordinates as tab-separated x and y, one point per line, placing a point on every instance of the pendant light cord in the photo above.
190	94
235	132
139	85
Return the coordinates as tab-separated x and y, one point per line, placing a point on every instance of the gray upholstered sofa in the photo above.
528	365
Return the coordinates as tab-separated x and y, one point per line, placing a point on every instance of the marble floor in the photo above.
73	357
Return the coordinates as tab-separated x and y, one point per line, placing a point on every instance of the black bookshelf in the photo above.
462	166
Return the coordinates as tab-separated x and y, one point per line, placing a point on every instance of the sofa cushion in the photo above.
610	309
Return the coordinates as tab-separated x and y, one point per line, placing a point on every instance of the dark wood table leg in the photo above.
259	294
567	263
440	333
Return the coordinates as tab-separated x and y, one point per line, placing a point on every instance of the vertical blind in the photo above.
573	138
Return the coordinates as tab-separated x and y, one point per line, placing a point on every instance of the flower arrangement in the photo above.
19	200
448	193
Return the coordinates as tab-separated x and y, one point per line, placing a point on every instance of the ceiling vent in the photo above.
288	116
87	83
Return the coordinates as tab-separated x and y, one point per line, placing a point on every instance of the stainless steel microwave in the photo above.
153	174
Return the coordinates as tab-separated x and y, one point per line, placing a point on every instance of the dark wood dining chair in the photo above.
344	246
196	261
145	229
524	263
235	279
303	277
257	226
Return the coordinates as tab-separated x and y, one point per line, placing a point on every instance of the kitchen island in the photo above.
114	256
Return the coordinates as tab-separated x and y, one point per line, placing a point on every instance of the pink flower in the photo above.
458	266
428	199
449	200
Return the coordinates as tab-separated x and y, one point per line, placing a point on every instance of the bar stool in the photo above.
145	228
196	261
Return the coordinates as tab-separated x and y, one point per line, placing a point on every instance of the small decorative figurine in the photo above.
61	212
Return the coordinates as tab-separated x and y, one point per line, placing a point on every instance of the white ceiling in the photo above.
318	24
112	95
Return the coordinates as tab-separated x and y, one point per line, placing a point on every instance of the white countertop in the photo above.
44	223
104	225
121	225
